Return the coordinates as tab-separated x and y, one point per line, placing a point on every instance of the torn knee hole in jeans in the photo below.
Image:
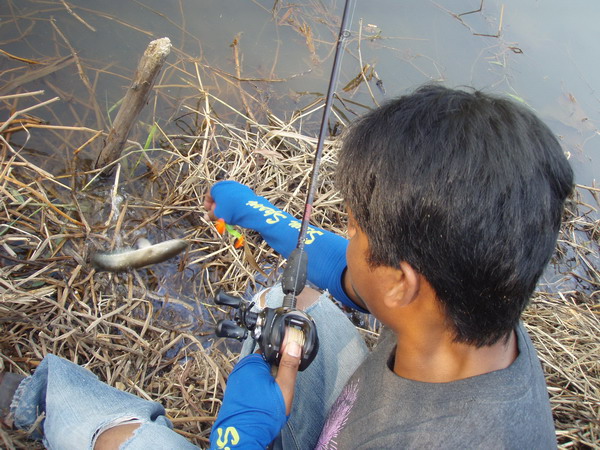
274	299
260	299
127	420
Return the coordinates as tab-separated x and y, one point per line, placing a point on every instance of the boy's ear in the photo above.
351	227
404	286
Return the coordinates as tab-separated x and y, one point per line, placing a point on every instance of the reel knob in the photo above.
230	329
227	300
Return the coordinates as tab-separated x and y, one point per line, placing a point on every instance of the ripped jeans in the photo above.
78	407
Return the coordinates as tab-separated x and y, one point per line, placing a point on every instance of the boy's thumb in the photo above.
288	369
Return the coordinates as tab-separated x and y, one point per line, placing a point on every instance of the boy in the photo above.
454	201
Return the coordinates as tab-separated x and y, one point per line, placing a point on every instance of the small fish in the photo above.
134	258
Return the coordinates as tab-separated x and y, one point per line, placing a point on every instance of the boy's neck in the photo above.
440	360
426	350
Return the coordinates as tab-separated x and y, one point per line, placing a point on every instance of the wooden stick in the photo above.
135	99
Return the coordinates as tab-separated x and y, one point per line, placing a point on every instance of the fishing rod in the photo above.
294	275
268	326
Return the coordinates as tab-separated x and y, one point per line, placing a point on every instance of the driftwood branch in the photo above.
135	99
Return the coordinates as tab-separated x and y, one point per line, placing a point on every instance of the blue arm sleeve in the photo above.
237	204
253	410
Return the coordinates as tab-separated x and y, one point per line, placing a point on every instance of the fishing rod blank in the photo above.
294	274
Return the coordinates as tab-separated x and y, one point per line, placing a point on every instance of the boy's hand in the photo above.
210	205
255	406
228	200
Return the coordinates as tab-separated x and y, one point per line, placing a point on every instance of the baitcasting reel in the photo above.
267	327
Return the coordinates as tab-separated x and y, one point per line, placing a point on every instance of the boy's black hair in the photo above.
469	190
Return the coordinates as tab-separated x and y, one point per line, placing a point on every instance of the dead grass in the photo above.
149	331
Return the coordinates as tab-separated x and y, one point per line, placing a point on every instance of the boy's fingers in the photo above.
288	369
209	206
208	200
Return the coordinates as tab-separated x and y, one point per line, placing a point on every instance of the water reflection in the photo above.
280	54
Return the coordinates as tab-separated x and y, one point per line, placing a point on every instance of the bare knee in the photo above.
114	437
307	297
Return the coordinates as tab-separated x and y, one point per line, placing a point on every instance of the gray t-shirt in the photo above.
506	408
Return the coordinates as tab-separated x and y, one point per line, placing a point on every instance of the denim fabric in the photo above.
78	406
341	351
